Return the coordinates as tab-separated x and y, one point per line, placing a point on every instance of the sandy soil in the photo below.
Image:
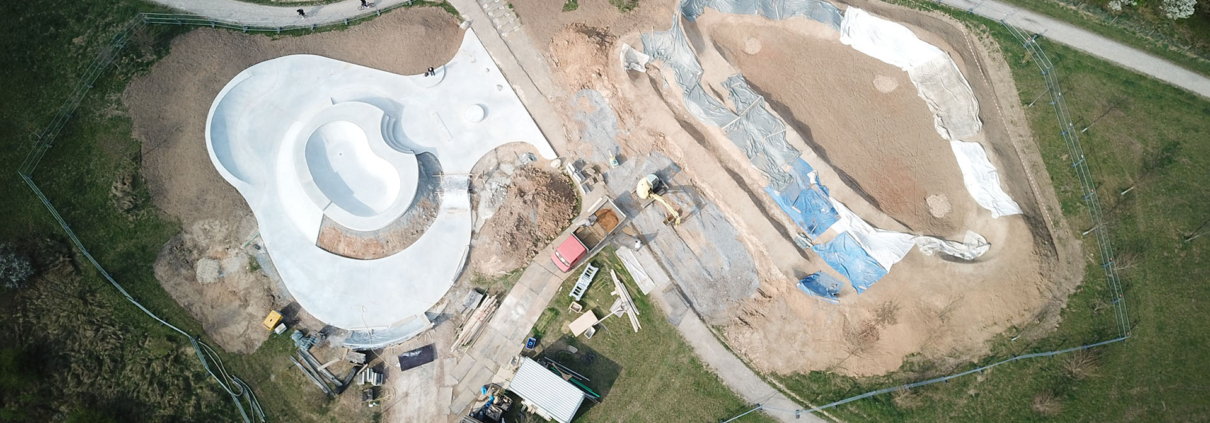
864	119
530	204
204	268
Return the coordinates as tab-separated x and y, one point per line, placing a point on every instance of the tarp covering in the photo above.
752	128
982	180
948	96
973	246
817	10
934	73
806	201
887	247
885	40
633	59
822	285
849	259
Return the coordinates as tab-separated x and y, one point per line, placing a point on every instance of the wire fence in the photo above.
1079	164
239	391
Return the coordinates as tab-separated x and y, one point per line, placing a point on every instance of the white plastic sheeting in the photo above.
934	73
633	59
971	247
982	180
886	247
885	40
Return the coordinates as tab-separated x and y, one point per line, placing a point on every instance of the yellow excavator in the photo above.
651	187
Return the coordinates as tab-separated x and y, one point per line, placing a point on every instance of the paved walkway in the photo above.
1096	45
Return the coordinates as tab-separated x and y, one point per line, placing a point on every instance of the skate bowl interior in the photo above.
304	138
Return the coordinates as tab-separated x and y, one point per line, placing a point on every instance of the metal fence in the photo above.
241	394
1079	164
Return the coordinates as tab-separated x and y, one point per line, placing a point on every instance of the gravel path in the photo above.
1088	42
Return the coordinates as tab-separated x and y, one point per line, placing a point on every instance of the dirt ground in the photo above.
864	119
520	207
206	268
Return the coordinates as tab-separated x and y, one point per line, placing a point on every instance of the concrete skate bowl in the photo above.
887	151
314	144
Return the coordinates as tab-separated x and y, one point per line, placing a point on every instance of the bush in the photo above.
1178	9
15	269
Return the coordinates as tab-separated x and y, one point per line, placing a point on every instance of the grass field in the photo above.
71	347
649	376
1152	138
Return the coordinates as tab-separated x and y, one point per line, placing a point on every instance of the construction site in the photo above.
463	218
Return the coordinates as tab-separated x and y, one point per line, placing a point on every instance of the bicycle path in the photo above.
1088	42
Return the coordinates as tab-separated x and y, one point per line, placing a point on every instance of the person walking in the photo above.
302	14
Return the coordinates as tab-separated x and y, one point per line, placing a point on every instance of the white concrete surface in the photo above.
303	137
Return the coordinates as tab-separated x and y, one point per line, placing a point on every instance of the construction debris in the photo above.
581	287
471	328
624	304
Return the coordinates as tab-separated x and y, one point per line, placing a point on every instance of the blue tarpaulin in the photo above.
845	255
822	285
806	201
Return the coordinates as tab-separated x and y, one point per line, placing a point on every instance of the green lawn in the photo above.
649	376
71	348
1154	141
1185	42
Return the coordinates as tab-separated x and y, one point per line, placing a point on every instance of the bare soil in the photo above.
863	119
538	202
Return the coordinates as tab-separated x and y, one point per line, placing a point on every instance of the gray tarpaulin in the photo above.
818	10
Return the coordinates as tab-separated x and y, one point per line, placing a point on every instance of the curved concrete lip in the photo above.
350	172
306	137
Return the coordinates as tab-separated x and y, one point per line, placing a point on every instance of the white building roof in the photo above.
549	392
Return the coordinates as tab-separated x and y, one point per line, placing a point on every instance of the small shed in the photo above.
550	395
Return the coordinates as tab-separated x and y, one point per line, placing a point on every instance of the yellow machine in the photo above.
271	320
652	187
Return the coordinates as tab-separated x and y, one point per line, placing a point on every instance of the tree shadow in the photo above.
598	372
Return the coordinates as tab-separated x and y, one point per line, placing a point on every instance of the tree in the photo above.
1178	9
14	269
1116	5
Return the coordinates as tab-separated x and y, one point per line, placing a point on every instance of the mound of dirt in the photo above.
537	205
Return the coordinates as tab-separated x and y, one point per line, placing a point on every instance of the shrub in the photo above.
15	269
